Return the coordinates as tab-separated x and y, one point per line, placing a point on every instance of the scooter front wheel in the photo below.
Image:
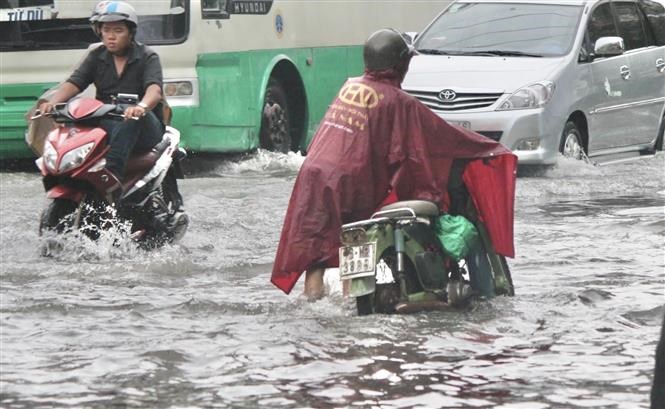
57	217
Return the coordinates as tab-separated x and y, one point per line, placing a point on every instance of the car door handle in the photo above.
660	65
625	72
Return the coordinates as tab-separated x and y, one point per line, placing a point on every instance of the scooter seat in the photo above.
142	162
421	208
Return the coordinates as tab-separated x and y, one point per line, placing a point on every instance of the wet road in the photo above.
198	325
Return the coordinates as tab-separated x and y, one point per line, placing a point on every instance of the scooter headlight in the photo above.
75	157
532	96
50	156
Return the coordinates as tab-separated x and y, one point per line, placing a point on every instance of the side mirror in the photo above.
608	47
410	37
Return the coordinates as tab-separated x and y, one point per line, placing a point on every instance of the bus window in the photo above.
46	28
164	29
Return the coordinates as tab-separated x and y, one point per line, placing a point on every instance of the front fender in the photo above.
65	192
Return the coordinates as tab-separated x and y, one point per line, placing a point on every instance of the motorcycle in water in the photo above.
75	178
394	262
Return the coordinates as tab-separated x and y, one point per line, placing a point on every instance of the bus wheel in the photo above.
275	124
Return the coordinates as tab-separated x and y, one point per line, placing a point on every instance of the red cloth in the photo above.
373	141
491	185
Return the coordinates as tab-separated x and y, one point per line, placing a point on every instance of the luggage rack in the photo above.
401	214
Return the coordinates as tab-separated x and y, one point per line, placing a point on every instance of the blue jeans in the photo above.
126	137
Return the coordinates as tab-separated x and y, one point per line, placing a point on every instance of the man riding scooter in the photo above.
376	145
121	65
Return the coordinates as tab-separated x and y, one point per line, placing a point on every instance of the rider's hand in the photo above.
134	112
45	107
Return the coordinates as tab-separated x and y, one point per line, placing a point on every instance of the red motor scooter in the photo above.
74	176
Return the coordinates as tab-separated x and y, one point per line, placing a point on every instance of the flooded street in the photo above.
198	325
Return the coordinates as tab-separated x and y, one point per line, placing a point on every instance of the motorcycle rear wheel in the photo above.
365	304
386	296
164	221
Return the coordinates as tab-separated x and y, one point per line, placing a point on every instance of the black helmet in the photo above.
385	49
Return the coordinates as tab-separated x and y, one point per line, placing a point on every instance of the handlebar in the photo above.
136	118
38	114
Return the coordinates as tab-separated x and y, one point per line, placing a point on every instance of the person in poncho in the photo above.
376	144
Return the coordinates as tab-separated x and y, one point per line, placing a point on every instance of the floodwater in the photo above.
198	325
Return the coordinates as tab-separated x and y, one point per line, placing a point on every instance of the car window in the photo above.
541	29
630	25
655	14
601	23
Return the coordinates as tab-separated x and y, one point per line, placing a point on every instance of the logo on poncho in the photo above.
359	95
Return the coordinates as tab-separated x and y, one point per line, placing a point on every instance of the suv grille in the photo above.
462	102
494	135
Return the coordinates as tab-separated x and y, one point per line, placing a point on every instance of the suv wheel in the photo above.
571	142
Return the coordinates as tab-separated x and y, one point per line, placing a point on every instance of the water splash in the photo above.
262	162
102	236
571	178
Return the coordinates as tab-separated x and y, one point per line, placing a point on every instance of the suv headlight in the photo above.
75	157
532	96
50	156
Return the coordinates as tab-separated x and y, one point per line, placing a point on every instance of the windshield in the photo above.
57	25
502	29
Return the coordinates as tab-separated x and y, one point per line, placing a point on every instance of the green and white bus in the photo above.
239	74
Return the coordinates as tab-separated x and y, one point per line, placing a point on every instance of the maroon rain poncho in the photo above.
376	141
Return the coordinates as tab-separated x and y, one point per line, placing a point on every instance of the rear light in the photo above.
353	236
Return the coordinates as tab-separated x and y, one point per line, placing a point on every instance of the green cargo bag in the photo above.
458	236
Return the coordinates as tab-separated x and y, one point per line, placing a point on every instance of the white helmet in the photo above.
117	11
99	8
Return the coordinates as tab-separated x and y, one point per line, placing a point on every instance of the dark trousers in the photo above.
130	136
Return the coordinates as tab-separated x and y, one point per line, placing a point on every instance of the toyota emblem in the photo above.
447	95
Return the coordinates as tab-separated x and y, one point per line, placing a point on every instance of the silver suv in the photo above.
584	78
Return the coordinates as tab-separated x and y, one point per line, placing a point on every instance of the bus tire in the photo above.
275	132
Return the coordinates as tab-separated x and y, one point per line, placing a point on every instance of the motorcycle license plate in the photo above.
357	261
